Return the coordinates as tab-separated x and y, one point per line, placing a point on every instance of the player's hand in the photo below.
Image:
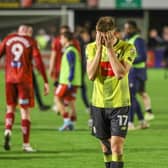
98	39
109	39
70	86
46	89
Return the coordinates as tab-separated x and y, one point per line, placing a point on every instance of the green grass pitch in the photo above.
78	149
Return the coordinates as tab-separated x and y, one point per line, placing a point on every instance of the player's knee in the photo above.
11	109
117	146
117	149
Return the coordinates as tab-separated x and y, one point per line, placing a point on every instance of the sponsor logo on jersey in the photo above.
24	101
106	69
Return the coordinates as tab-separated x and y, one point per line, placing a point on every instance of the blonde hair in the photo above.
105	24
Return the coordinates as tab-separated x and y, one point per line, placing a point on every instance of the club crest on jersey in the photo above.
118	53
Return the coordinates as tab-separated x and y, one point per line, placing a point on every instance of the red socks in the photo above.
9	120
65	115
73	118
26	130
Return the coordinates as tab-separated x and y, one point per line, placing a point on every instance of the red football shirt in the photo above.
19	51
57	47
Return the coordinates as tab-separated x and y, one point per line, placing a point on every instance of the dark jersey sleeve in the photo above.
141	51
71	61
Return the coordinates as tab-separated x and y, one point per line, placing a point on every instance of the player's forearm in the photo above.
52	62
118	68
42	71
93	66
40	66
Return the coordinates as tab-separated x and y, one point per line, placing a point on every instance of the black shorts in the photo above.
109	122
140	85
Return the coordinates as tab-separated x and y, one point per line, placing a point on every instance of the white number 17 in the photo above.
122	120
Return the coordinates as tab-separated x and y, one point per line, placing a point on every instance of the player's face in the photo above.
63	40
102	41
23	29
63	30
127	29
29	31
106	34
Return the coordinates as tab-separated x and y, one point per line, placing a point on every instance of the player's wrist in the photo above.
98	51
111	51
99	47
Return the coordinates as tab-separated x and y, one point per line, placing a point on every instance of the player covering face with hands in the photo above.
105	38
108	62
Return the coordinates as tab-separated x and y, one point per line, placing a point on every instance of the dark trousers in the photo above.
135	106
37	91
84	91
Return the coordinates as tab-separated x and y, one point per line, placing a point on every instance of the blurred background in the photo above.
46	16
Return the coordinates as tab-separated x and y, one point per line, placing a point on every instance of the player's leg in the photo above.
146	101
135	106
101	129
64	113
71	99
40	103
72	113
85	99
117	144
59	95
106	149
9	121
26	101
131	125
25	125
119	126
11	100
84	92
54	107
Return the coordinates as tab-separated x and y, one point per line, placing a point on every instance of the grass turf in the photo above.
78	149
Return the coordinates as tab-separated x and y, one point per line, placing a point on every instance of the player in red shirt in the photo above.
56	53
20	50
56	56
